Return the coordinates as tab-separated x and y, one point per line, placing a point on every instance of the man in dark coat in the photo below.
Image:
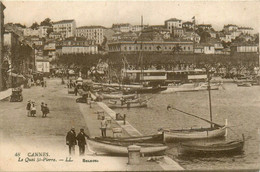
81	141
71	141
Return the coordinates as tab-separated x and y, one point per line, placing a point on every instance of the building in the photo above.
245	48
188	25
226	37
50	50
77	45
205	26
43	65
230	28
43	31
2	69
173	23
246	30
122	27
177	32
191	36
138	28
95	33
160	29
30	32
55	35
67	28
150	46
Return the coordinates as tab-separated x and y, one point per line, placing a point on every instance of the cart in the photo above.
16	95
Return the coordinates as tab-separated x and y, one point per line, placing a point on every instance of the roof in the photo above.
230	25
206	25
188	22
64	21
120	24
249	28
90	27
172	19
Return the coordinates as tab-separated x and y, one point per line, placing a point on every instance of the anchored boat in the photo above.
235	146
119	104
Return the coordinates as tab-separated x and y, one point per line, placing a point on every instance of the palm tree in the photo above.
175	50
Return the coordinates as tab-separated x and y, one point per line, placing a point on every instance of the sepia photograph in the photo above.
121	85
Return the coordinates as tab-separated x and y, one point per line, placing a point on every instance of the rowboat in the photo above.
118	104
156	138
145	90
235	146
117	96
193	133
111	148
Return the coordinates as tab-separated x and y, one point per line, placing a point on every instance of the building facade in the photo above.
149	46
67	28
95	33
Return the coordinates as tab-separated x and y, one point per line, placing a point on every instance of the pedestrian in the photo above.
103	127
71	141
42	109
82	141
46	110
45	83
76	90
28	108
33	109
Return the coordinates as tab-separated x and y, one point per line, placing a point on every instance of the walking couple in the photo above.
71	141
31	109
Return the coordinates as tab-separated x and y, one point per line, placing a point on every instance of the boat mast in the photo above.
210	108
141	55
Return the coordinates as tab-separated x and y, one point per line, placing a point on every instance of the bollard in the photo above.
133	154
124	118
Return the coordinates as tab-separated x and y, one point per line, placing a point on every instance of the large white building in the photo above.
67	28
95	33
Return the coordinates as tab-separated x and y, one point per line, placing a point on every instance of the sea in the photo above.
239	105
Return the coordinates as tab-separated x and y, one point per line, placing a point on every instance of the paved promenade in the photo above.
26	135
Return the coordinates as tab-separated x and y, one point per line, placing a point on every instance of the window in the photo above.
125	48
129	48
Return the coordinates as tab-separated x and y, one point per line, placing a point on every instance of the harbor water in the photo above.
240	105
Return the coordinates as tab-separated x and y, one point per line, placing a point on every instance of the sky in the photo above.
105	13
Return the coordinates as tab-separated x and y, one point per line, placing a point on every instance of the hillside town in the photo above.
179	95
43	46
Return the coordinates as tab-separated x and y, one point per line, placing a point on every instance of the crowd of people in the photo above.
31	109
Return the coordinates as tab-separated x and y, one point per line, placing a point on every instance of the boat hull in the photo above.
156	138
114	149
192	134
127	105
220	148
117	96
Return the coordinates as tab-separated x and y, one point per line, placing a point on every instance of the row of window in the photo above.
183	48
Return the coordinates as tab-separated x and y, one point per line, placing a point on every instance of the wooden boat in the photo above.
181	88
156	138
117	96
194	133
204	86
235	146
244	84
215	130
118	104
111	148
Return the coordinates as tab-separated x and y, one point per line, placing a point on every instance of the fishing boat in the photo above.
156	138
215	130
204	86
234	146
116	96
144	90
112	148
119	104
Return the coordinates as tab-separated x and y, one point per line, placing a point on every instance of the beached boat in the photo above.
111	148
156	138
144	90
204	86
117	96
119	104
193	133
197	148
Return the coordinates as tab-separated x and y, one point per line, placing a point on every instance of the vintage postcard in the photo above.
129	85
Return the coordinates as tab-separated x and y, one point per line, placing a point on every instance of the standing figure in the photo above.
71	141
103	127
33	109
42	109
46	110
81	141
76	90
28	108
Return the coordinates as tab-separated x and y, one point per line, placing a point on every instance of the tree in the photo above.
46	22
204	37
49	30
35	25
